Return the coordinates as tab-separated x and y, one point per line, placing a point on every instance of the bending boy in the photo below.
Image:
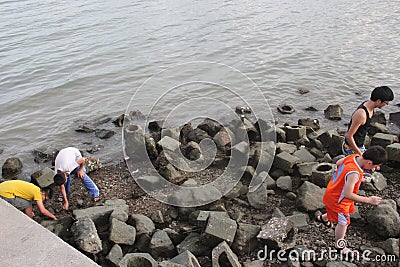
360	120
70	161
21	194
342	190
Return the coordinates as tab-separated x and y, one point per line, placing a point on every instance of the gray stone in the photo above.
104	133
186	259
258	198
384	219
379	181
262	155
210	126
393	151
311	123
137	259
279	233
171	174
268	182
149	182
248	173
284	183
280	135
322	173
44	177
100	214
304	155
143	224
277	213
115	255
238	190
305	169
285	161
12	167
285	147
171	132
383	140
299	220
197	135
333	112
119	214
246	238
221	251
86	237
157	217
193	244
161	245
376	127
309	197
168	143
219	228
294	133
256	263
242	148
192	150
222	139
391	246
122	233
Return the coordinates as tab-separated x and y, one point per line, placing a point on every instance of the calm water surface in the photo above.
63	61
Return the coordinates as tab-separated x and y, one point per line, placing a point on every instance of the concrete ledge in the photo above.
24	242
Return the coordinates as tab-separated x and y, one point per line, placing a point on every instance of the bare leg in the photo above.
29	212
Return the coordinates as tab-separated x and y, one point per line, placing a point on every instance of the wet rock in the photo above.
197	135
294	133
333	112
309	197
280	135
137	259
285	109
331	140
118	121
104	133
210	126
311	109
86	237
12	167
384	219
151	148
303	91
395	118
156	126
161	245
222	139
94	148
167	143
115	255
42	155
262	155
279	233
192	150
43	177
379	117
242	110
312	123
222	255
134	141
122	233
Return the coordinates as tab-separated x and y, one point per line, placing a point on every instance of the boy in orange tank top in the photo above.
342	190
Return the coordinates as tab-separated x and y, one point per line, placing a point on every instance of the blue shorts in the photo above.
348	151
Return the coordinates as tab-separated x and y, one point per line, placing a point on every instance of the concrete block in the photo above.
285	161
383	140
186	259
294	133
304	155
322	173
137	259
44	177
393	151
220	228
224	249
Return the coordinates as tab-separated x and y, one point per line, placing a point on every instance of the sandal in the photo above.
319	219
96	199
60	199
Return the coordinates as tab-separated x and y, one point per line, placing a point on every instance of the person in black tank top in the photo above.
361	119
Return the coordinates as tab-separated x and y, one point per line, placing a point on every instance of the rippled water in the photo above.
62	61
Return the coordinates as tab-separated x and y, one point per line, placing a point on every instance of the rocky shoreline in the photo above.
130	228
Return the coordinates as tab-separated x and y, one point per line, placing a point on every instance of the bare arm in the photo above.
64	194
348	191
359	118
44	211
81	163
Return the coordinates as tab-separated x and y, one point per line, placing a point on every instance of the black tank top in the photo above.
361	133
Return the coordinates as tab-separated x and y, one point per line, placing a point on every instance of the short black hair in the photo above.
384	93
59	179
48	192
376	154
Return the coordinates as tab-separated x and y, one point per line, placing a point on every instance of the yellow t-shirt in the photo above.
22	189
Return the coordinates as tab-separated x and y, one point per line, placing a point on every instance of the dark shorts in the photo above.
19	203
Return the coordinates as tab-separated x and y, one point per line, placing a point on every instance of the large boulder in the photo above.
384	219
309	197
122	233
12	168
279	233
86	237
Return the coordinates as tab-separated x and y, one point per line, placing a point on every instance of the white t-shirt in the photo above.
66	159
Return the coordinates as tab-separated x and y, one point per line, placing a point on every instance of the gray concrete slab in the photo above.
24	242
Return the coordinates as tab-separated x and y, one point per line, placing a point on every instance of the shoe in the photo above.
96	199
319	219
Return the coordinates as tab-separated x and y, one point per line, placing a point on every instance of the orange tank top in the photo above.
334	195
